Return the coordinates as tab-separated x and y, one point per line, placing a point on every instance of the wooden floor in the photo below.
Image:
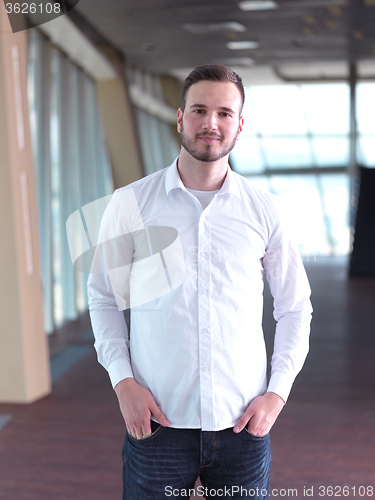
68	445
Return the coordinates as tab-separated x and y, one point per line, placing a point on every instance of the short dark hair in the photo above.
214	73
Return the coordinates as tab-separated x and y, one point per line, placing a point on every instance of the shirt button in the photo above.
204	255
204	330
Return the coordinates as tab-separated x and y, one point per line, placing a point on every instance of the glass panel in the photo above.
72	168
278	109
77	177
39	129
249	127
301	197
319	207
156	145
56	169
261	181
303	126
145	140
331	151
168	144
246	156
366	150
336	202
287	152
174	143
366	108
67	176
327	108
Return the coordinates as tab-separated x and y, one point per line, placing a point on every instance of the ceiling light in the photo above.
335	10
331	24
358	35
203	28
309	19
241	45
308	31
257	5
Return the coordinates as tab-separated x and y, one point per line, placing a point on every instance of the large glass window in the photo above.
72	168
294	126
305	129
154	121
318	206
366	123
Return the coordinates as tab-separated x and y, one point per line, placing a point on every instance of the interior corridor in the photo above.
68	445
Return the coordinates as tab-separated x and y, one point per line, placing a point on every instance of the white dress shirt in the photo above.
196	339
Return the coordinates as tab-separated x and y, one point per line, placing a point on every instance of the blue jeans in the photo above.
167	463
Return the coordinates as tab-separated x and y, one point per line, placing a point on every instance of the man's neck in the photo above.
201	176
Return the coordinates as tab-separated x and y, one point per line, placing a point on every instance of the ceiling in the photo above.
152	35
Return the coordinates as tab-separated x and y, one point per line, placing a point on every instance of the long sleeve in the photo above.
110	330
292	307
107	284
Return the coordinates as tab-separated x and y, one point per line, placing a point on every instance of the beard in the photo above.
205	152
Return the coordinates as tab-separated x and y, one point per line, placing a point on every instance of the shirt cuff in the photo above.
281	384
118	370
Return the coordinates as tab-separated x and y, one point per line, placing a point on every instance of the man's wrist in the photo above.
123	384
275	396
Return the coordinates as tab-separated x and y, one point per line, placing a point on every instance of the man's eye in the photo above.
224	114
199	111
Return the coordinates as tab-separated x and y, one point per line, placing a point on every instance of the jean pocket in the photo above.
156	429
254	436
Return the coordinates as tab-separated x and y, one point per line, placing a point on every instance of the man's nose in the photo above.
210	121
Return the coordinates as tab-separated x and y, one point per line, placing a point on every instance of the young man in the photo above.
191	381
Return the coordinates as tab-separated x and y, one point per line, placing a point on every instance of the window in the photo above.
72	168
292	133
366	124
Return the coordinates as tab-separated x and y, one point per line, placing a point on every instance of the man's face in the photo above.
211	122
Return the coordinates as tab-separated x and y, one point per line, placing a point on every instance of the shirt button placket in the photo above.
204	320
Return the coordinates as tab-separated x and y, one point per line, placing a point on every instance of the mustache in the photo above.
211	136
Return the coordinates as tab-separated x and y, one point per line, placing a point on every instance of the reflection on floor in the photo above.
68	445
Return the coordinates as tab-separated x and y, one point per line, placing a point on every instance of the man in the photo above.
191	382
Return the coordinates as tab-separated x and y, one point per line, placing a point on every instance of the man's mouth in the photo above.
209	139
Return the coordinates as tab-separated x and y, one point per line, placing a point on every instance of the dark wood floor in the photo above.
68	445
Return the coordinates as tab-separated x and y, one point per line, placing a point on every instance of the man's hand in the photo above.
136	405
261	414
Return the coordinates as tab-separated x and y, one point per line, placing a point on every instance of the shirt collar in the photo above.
230	185
173	181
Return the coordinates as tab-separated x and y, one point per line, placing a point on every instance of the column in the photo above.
24	357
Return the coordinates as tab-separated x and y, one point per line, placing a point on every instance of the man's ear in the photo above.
240	128
179	119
